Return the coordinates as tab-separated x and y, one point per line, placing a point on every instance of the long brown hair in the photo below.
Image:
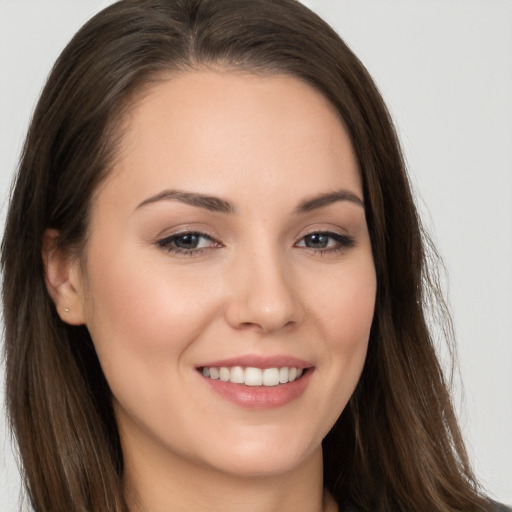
397	445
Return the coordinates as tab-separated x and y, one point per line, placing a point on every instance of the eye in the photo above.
187	243
326	241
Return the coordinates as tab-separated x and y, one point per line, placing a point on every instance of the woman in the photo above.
214	277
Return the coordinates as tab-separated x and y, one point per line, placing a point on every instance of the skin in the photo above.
266	144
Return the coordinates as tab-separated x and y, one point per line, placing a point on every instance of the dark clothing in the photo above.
498	507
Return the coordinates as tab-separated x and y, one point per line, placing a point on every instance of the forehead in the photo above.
232	133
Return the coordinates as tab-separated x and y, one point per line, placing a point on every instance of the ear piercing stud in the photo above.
66	310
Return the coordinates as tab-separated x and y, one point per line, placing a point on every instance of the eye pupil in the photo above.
189	241
317	241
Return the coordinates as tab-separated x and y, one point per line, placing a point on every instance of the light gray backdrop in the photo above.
445	69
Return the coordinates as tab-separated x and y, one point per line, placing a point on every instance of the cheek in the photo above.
347	307
140	320
345	315
141	304
143	319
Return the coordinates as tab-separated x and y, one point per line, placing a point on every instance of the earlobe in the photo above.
63	279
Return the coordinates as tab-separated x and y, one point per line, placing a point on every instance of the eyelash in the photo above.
342	242
167	244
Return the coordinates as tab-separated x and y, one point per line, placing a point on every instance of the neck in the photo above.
156	482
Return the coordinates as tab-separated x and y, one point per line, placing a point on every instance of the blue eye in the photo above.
186	243
326	241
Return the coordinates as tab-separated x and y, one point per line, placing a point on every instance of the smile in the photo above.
251	376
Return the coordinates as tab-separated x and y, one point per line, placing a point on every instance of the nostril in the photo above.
265	302
263	326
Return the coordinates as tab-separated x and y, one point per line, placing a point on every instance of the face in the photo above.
228	281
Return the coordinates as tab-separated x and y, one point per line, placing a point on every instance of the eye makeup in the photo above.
188	243
195	243
326	242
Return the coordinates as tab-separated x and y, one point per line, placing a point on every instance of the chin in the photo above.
263	458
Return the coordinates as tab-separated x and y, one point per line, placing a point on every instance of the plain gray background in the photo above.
445	69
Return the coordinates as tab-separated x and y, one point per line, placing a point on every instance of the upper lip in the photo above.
259	361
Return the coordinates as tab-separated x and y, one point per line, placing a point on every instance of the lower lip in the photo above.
261	397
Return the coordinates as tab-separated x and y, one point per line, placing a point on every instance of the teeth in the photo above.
271	377
254	376
237	375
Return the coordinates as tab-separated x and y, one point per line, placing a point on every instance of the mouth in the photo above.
252	376
256	382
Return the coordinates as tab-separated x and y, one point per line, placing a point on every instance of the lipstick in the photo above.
258	382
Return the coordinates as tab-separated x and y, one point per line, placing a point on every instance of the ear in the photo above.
63	280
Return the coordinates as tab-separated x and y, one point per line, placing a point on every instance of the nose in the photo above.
263	294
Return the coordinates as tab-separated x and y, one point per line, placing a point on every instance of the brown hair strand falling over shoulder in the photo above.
397	445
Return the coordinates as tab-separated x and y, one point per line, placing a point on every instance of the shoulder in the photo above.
498	507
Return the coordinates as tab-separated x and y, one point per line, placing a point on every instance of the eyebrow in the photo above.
321	200
211	203
216	204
